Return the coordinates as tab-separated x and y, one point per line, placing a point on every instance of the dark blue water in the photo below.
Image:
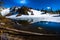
53	26
50	26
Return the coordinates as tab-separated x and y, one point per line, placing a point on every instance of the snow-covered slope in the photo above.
5	11
37	17
35	12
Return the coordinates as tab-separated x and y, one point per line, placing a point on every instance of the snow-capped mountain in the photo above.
36	17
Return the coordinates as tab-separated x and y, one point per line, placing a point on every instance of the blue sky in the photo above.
38	4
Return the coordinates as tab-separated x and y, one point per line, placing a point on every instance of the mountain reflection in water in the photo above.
46	27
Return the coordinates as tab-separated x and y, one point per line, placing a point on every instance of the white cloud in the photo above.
23	1
48	7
